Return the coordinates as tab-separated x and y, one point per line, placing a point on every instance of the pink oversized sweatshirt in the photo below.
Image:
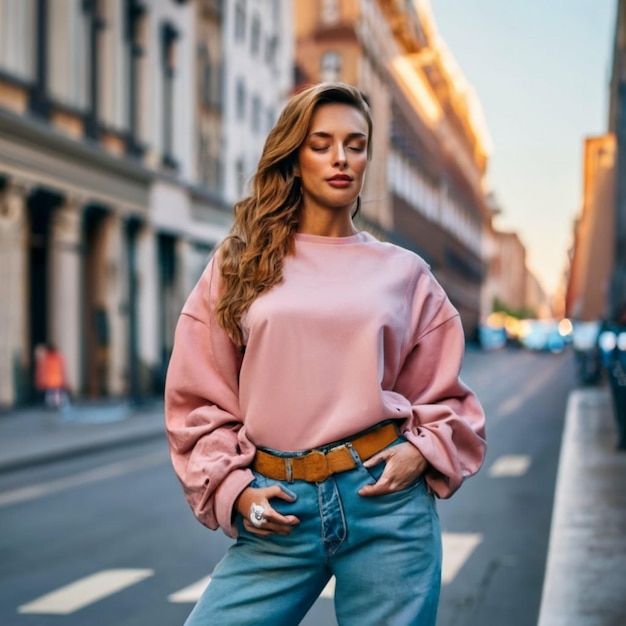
358	331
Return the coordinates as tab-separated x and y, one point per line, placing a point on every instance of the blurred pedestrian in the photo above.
313	402
50	377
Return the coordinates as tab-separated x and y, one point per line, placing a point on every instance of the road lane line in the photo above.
191	593
457	548
105	472
510	465
513	403
85	591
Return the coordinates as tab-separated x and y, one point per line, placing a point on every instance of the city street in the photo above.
107	538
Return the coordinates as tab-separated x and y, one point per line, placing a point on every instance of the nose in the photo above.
339	155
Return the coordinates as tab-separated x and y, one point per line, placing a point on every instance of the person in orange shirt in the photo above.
50	377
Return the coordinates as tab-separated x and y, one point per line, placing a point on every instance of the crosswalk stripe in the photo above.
329	590
510	465
457	548
80	593
191	593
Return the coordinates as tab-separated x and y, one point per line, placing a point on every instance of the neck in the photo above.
330	225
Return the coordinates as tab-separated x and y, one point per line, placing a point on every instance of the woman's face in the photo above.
332	158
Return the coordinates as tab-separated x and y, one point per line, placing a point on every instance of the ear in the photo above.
296	170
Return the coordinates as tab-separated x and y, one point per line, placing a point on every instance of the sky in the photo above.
541	71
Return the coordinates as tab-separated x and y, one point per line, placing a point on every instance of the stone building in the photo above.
258	70
111	184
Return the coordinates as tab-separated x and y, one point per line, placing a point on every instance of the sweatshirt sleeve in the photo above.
209	449
447	424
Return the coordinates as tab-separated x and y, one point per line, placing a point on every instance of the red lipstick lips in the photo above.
340	180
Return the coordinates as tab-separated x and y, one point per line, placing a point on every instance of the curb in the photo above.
587	532
81	448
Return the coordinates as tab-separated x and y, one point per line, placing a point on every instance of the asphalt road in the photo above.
111	538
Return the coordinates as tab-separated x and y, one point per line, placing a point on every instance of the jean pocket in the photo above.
372	475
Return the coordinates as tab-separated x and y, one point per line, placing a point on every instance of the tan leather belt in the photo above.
316	466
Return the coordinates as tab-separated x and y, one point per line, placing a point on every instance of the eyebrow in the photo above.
325	135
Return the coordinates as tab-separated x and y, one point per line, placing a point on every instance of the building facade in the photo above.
588	289
508	271
596	281
258	70
110	200
617	126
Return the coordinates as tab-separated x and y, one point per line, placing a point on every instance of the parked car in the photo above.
491	338
588	358
542	335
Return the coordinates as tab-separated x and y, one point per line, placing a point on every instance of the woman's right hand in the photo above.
274	523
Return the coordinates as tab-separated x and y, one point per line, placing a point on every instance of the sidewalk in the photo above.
585	580
586	566
36	435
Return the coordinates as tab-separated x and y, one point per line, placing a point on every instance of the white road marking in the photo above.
510	405
101	473
191	593
457	548
510	465
515	402
329	590
79	594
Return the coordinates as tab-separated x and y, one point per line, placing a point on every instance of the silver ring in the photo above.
257	515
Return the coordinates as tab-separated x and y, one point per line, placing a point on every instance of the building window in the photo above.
255	121
240	176
134	69
69	27
330	66
205	159
97	24
17	38
329	11
240	20
271	50
255	35
169	35
271	119
209	166
209	79
206	76
241	100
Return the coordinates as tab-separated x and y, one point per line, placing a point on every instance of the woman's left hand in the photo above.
404	463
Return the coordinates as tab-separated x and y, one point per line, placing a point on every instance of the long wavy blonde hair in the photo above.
251	256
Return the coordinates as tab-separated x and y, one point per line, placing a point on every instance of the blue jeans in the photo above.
384	551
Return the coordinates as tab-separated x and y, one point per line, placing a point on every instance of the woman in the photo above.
313	403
